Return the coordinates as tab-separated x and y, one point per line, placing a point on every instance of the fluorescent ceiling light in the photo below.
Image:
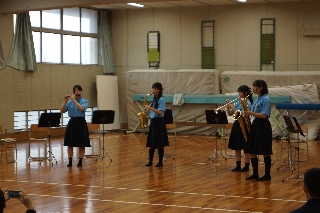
242	0
135	4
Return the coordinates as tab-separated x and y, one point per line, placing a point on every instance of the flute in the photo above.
68	96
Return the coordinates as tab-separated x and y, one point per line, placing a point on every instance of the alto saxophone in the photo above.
243	119
143	115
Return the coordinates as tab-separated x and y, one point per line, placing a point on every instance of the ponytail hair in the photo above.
157	85
247	91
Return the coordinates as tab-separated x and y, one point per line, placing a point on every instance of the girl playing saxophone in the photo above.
157	135
237	140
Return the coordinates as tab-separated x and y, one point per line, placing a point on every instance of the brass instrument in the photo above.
143	115
225	106
243	119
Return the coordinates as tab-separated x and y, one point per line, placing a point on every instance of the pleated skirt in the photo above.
77	133
157	135
236	139
260	140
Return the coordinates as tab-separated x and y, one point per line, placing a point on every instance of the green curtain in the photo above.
2	61
22	55
105	44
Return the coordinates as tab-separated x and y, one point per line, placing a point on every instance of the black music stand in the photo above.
218	117
103	117
293	128
168	118
49	120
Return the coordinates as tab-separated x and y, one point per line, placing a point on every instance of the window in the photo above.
65	36
71	49
50	47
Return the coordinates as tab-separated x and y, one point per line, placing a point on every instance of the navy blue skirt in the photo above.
236	139
157	135
260	140
77	133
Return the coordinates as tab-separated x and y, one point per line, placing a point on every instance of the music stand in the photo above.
103	117
293	129
216	117
168	118
49	120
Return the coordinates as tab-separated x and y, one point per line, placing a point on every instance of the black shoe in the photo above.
265	177
159	164
244	169
253	177
79	164
69	165
149	164
236	169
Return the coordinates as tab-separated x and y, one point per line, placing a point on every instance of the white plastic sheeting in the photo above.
303	87
307	93
293	83
188	82
231	80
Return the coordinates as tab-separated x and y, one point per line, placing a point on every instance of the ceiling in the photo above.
186	3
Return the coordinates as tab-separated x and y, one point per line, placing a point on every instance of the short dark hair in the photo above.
77	87
311	180
263	84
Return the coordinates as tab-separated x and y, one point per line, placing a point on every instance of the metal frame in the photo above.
206	24
32	131
224	139
174	137
154	64
94	129
262	25
5	142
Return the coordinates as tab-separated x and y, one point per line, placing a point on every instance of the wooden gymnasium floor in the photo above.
188	183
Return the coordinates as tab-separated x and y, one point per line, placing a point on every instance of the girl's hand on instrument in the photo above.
247	112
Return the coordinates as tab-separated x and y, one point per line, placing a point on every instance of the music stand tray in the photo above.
51	119
168	116
216	118
103	117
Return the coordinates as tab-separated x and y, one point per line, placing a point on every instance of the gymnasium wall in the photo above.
236	40
42	89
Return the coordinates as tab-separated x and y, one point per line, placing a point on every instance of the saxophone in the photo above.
143	115
243	119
